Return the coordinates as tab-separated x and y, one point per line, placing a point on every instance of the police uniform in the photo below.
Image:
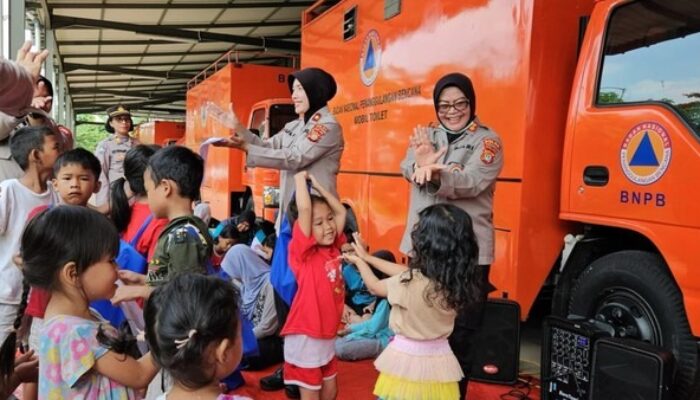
315	146
473	162
183	246
111	153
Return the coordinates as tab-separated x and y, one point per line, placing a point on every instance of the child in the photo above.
172	182
228	237
76	178
69	251
193	330
35	149
425	299
310	330
130	212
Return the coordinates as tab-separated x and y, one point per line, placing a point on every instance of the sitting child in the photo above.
359	302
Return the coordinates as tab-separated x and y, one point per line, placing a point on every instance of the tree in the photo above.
88	135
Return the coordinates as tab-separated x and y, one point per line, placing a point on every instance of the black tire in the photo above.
632	289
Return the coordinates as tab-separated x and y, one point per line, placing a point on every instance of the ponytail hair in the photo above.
183	318
9	347
135	163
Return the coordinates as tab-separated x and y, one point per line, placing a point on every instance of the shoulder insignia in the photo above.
316	117
473	126
491	148
317	132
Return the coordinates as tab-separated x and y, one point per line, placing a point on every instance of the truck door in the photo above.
634	128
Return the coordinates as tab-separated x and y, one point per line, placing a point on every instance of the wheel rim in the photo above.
629	314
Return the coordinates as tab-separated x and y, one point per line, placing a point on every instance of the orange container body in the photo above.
242	86
523	58
162	133
519	95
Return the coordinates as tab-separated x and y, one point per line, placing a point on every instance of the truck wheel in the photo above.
633	292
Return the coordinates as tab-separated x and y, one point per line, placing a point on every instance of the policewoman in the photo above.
314	142
111	151
456	162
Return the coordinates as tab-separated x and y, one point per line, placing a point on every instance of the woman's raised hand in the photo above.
423	149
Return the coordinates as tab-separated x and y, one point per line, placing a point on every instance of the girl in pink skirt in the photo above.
425	298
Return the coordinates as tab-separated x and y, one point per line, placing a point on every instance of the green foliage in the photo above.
609	98
88	135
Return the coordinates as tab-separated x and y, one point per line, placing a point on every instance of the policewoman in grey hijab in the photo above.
314	142
456	161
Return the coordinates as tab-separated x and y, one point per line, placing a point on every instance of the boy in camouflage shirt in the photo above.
172	182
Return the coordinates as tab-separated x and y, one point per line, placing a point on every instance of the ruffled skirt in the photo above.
417	370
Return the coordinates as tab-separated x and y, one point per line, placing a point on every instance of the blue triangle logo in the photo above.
369	61
644	156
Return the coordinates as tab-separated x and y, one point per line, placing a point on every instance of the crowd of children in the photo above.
59	255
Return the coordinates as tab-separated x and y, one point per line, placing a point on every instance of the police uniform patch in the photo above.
317	132
491	148
455	167
473	126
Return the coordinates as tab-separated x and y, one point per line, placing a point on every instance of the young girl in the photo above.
69	251
425	299
131	218
193	329
310	330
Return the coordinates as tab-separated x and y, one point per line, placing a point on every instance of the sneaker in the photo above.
272	382
292	391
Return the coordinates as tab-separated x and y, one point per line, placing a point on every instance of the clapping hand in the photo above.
423	149
426	173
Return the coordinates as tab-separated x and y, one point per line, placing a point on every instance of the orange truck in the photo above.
246	87
597	105
162	133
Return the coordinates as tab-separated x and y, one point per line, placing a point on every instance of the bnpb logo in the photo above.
645	153
370	58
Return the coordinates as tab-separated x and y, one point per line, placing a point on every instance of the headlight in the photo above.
271	196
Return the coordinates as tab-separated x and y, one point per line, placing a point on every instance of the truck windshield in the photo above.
280	114
651	55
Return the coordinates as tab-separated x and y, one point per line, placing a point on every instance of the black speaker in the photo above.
496	344
567	357
625	369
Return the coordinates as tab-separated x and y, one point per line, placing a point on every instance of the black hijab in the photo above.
461	82
319	86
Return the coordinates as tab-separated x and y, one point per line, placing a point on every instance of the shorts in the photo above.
310	378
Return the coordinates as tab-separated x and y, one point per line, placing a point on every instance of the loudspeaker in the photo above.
567	357
625	369
496	344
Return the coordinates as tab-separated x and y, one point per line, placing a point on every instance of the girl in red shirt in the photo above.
314	258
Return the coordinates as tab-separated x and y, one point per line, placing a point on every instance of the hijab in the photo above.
319	86
464	84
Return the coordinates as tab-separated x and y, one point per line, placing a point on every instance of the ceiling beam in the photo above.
173	6
129	85
129	93
68	67
114	42
59	21
249	24
148	54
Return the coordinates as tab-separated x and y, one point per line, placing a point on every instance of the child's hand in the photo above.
26	368
344	331
348	313
360	246
350	257
131	278
128	293
301	175
314	181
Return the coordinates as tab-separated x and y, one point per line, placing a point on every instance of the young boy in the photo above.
35	149
76	177
172	182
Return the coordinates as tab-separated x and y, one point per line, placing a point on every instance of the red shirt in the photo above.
38	298
318	303
149	237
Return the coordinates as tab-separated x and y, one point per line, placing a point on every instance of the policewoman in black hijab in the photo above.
457	161
314	142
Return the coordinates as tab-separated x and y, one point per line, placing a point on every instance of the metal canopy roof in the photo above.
143	52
